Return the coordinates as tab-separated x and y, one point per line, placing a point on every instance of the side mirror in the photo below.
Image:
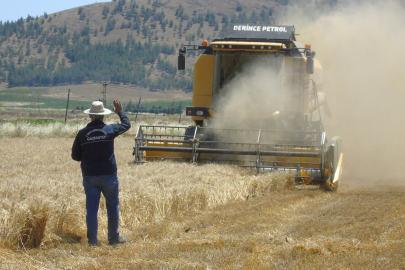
181	62
310	66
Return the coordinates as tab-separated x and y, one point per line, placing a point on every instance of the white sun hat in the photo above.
97	108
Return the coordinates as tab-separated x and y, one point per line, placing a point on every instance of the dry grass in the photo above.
43	200
24	128
187	217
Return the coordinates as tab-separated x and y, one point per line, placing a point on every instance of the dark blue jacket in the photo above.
94	146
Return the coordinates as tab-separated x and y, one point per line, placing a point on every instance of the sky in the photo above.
15	9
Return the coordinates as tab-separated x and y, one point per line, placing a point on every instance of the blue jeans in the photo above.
93	187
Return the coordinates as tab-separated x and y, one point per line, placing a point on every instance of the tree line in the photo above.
112	62
171	109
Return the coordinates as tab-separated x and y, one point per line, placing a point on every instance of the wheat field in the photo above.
182	216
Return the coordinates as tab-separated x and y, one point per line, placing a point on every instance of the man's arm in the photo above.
76	150
125	123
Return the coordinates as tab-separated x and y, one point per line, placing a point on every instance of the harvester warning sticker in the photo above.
259	31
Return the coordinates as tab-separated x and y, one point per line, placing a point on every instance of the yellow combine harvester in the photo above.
290	137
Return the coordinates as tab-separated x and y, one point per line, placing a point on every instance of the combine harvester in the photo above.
290	138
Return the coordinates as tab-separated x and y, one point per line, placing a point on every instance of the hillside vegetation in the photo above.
125	41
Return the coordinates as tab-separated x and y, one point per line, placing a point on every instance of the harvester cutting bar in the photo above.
261	149
256	153
166	149
229	151
255	144
314	173
172	141
268	164
168	136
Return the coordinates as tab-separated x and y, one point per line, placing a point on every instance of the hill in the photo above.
125	41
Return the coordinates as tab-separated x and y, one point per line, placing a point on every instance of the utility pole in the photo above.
33	93
104	94
38	104
67	105
180	113
137	111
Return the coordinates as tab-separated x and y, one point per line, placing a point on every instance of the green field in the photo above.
24	97
45	102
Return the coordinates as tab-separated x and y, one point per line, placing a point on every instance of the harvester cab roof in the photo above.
261	33
255	38
262	37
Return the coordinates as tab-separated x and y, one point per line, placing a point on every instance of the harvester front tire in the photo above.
330	186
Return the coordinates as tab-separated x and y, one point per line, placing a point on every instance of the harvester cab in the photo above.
284	135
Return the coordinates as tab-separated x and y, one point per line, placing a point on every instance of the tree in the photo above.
110	26
20	58
85	31
128	108
106	10
264	17
253	17
225	19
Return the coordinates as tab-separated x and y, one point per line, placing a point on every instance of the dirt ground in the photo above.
281	228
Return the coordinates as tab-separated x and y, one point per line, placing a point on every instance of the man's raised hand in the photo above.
117	106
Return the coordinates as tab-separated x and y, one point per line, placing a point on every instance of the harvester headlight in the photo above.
216	46
230	46
262	47
199	113
222	46
269	47
253	47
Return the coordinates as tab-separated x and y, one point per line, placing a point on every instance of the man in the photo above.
94	147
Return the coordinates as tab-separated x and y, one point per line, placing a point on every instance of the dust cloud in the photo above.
257	85
361	48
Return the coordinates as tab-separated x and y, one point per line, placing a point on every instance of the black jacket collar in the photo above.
95	123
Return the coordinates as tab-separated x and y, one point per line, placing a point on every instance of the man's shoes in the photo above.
121	240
